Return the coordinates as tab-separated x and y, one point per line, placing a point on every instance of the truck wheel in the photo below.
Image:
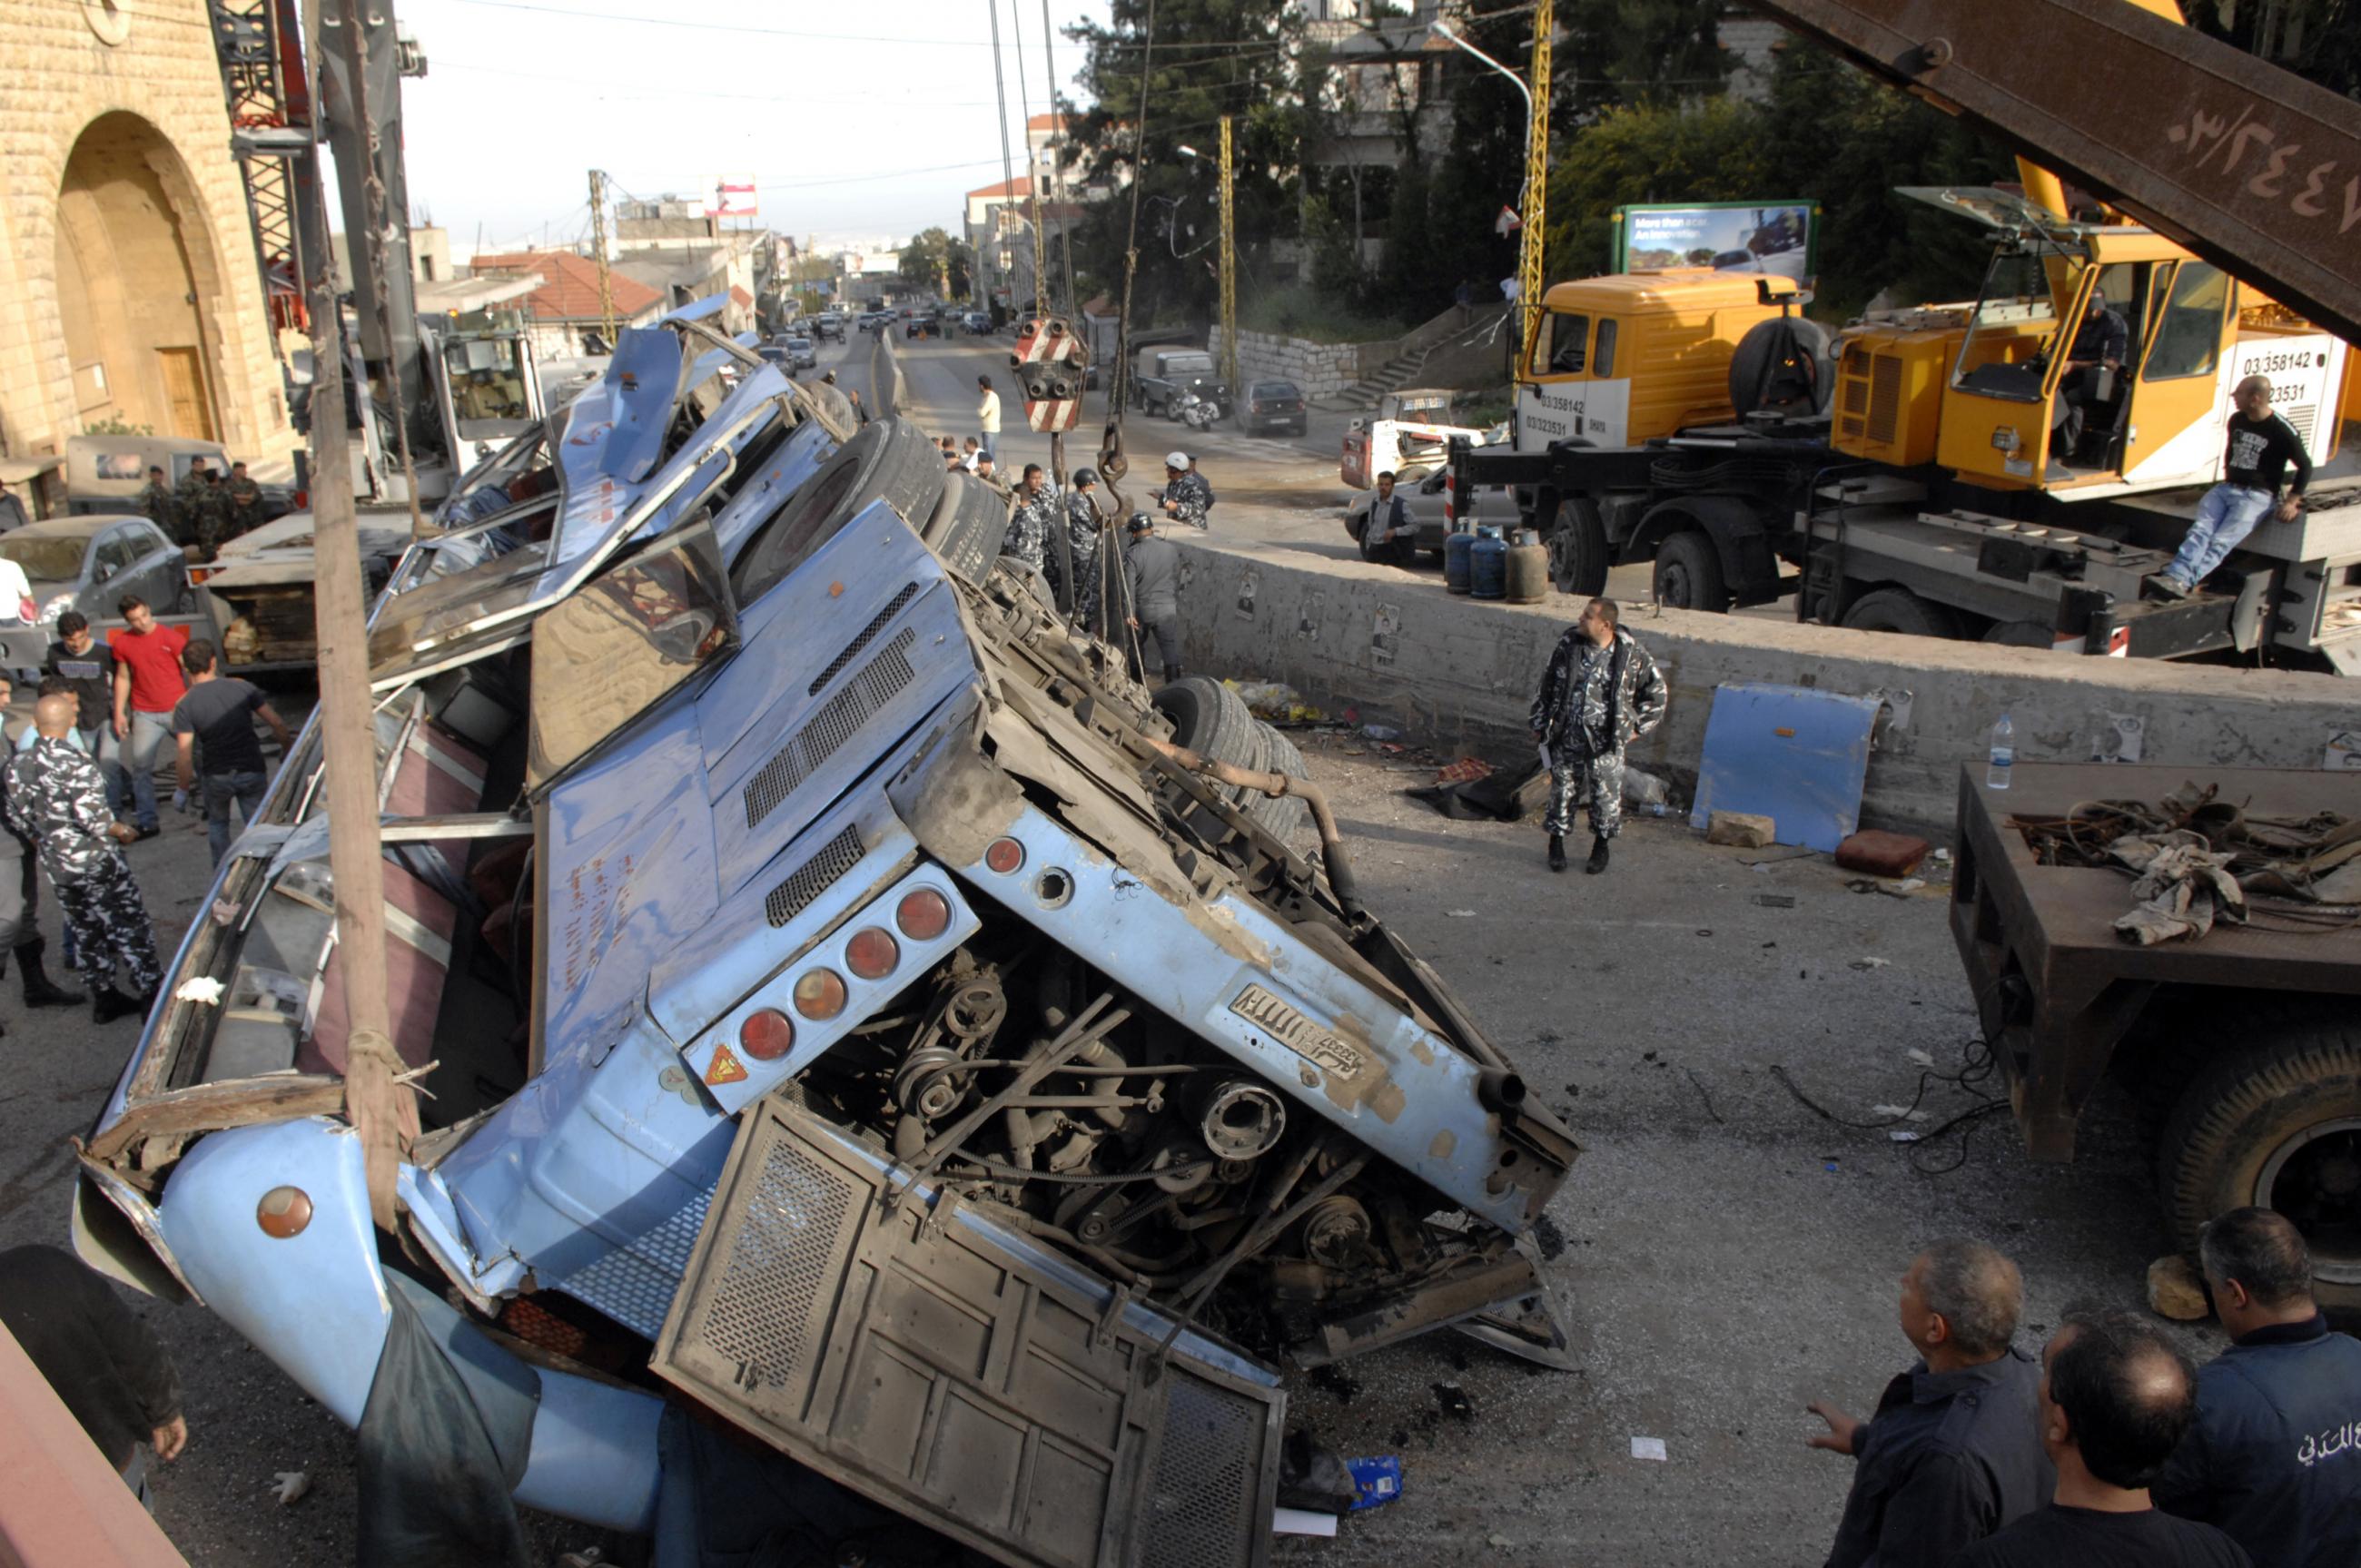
891	460
2276	1125
1578	549
1688	573
1899	610
1210	719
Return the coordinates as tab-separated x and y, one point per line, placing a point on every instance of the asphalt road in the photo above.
1728	1253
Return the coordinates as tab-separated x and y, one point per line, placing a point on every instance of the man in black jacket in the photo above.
2262	447
107	1367
1953	1454
2275	1457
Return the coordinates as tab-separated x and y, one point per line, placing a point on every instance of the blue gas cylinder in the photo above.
1455	547
1488	564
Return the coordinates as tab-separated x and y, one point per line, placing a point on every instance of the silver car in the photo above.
89	562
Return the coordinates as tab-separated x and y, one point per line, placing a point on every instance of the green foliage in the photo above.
116	424
1711	152
1308	312
1620	53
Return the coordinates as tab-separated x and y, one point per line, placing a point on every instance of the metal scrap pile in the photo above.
2196	858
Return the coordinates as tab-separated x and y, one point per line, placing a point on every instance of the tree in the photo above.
1646	53
926	258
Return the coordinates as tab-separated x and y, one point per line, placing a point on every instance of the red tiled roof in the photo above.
1046	123
569	287
1021	186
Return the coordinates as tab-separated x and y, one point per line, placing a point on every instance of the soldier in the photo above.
1186	496
57	799
190	499
1036	514
212	523
161	506
1601	690
245	499
1082	525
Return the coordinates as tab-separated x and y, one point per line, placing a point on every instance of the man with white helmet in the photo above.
1186	498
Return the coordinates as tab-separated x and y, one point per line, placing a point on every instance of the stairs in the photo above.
1402	370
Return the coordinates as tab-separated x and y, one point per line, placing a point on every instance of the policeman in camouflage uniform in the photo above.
161	508
1601	690
56	798
245	497
1036	514
1186	496
212	524
188	501
1083	540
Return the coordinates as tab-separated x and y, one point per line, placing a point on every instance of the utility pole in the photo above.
383	1109
1230	269
598	245
1529	251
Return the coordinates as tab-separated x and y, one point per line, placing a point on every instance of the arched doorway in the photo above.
129	266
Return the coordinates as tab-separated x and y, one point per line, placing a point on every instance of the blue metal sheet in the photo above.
769	487
1244	983
705	309
1791	753
794	633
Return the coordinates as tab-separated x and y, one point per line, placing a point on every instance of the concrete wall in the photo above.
1462	674
1322	369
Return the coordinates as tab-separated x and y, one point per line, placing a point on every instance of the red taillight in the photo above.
872	954
820	995
1005	856
923	915
303	500
767	1034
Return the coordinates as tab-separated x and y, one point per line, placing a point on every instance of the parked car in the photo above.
828	326
978	321
922	324
90	560
1274	407
804	353
1164	373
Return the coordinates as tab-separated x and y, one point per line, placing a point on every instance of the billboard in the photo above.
731	196
1777	237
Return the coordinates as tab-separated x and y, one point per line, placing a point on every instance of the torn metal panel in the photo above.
923	1354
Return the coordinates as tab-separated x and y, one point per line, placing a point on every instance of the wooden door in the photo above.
184	394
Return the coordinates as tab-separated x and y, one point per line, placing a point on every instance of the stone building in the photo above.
129	292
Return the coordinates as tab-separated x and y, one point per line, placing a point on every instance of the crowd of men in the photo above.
2112	1451
205	510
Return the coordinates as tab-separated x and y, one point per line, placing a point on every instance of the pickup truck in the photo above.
854	1011
1163	374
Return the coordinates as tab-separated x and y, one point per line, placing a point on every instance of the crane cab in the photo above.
2031	387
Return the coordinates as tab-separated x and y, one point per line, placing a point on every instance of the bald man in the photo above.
2115	1396
57	799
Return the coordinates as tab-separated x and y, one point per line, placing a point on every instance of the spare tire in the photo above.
969	525
1212	720
1782	366
891	460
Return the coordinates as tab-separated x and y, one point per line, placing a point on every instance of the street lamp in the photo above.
1528	252
1439	28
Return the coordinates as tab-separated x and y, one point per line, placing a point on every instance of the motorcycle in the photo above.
1196	412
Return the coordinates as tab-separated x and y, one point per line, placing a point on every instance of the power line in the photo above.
638	91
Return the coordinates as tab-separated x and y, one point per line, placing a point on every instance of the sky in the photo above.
859	122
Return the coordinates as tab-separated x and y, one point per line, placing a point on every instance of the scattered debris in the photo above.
1920	1058
1496	1539
293	1484
1301	1521
1467	770
1890	889
1276	701
2175	1290
1898	1112
1739	829
1461	914
1453	1401
1869	963
1375	1481
1381	732
1643	788
1881	854
1332	1379
1312	1475
1649	1448
1775	900
1904	1136
201	989
1804	854
1707	1095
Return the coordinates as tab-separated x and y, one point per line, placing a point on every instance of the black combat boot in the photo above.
1557	851
107	1004
1598	861
39	990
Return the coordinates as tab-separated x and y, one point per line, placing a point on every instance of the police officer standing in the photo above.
1602	690
190	499
20	909
161	506
1083	526
2274	1459
57	799
1036	514
1156	590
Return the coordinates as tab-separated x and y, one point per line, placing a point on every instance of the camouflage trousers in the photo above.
106	923
1596	782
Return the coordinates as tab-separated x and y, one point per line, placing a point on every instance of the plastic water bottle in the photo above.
2004	754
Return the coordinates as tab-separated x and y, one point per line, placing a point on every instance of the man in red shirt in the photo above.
147	685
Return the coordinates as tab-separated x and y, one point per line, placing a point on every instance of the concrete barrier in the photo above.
1463	673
